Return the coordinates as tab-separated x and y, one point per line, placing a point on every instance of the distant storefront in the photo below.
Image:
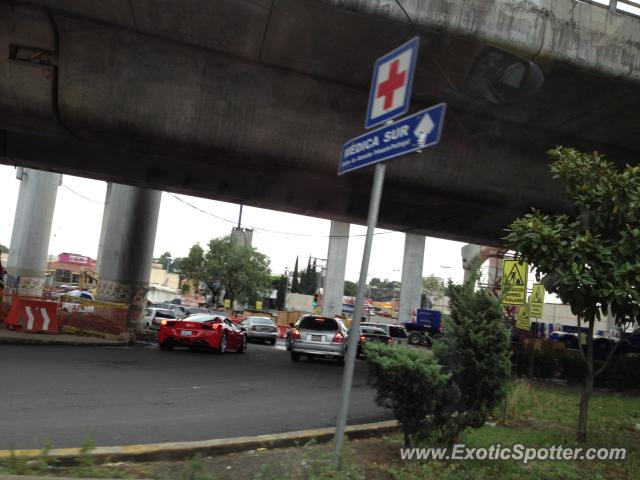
67	268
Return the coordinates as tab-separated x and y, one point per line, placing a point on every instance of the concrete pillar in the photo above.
470	255
336	264
105	215
127	253
411	282
29	247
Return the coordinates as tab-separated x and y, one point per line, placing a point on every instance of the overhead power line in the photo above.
266	230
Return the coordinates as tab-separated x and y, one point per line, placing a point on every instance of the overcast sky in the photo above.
78	216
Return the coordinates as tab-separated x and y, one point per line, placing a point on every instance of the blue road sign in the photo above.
415	132
391	84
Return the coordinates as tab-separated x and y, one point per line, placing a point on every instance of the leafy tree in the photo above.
176	265
295	284
589	258
432	289
282	286
193	265
350	288
475	352
241	270
165	260
410	383
4	248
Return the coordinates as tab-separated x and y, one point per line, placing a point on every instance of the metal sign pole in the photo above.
354	332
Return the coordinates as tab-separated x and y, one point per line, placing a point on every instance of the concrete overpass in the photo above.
250	100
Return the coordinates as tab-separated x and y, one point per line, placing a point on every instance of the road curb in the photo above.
181	450
67	343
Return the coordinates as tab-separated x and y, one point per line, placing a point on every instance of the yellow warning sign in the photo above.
258	304
514	282
537	301
523	322
227	303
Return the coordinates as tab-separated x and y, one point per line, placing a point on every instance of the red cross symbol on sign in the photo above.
394	81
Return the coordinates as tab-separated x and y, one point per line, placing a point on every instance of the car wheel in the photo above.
223	344
244	344
414	338
273	342
295	357
165	346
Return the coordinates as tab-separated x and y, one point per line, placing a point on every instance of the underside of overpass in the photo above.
250	101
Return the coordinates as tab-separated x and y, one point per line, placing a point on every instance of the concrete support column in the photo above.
29	247
127	251
411	282
336	264
105	215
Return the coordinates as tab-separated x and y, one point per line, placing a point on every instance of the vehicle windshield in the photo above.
204	318
318	323
260	321
165	314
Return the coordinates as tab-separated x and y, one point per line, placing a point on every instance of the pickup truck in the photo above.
427	326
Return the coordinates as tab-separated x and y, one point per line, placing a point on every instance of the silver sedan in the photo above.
260	328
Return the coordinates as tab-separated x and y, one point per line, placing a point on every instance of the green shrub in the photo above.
475	351
410	383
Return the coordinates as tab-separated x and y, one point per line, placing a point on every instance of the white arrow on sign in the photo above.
424	128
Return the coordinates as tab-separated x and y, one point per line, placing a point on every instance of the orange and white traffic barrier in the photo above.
33	316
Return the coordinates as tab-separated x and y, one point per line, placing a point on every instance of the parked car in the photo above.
631	341
260	328
371	334
318	336
601	345
202	331
154	315
397	332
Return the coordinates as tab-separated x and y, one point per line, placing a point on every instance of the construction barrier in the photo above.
93	315
33	316
283	330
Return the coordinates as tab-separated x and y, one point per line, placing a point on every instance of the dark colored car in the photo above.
202	331
371	335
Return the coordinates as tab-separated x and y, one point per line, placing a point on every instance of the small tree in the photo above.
295	283
350	288
588	258
475	353
193	265
408	382
241	270
432	289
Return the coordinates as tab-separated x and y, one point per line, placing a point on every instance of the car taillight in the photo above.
295	334
338	338
168	323
362	338
210	326
253	328
389	340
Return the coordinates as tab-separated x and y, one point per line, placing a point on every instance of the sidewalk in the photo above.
8	337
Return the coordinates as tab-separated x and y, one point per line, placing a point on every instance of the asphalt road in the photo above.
117	396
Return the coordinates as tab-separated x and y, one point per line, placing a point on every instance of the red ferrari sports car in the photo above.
202	330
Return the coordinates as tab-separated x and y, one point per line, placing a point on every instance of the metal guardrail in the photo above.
628	7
